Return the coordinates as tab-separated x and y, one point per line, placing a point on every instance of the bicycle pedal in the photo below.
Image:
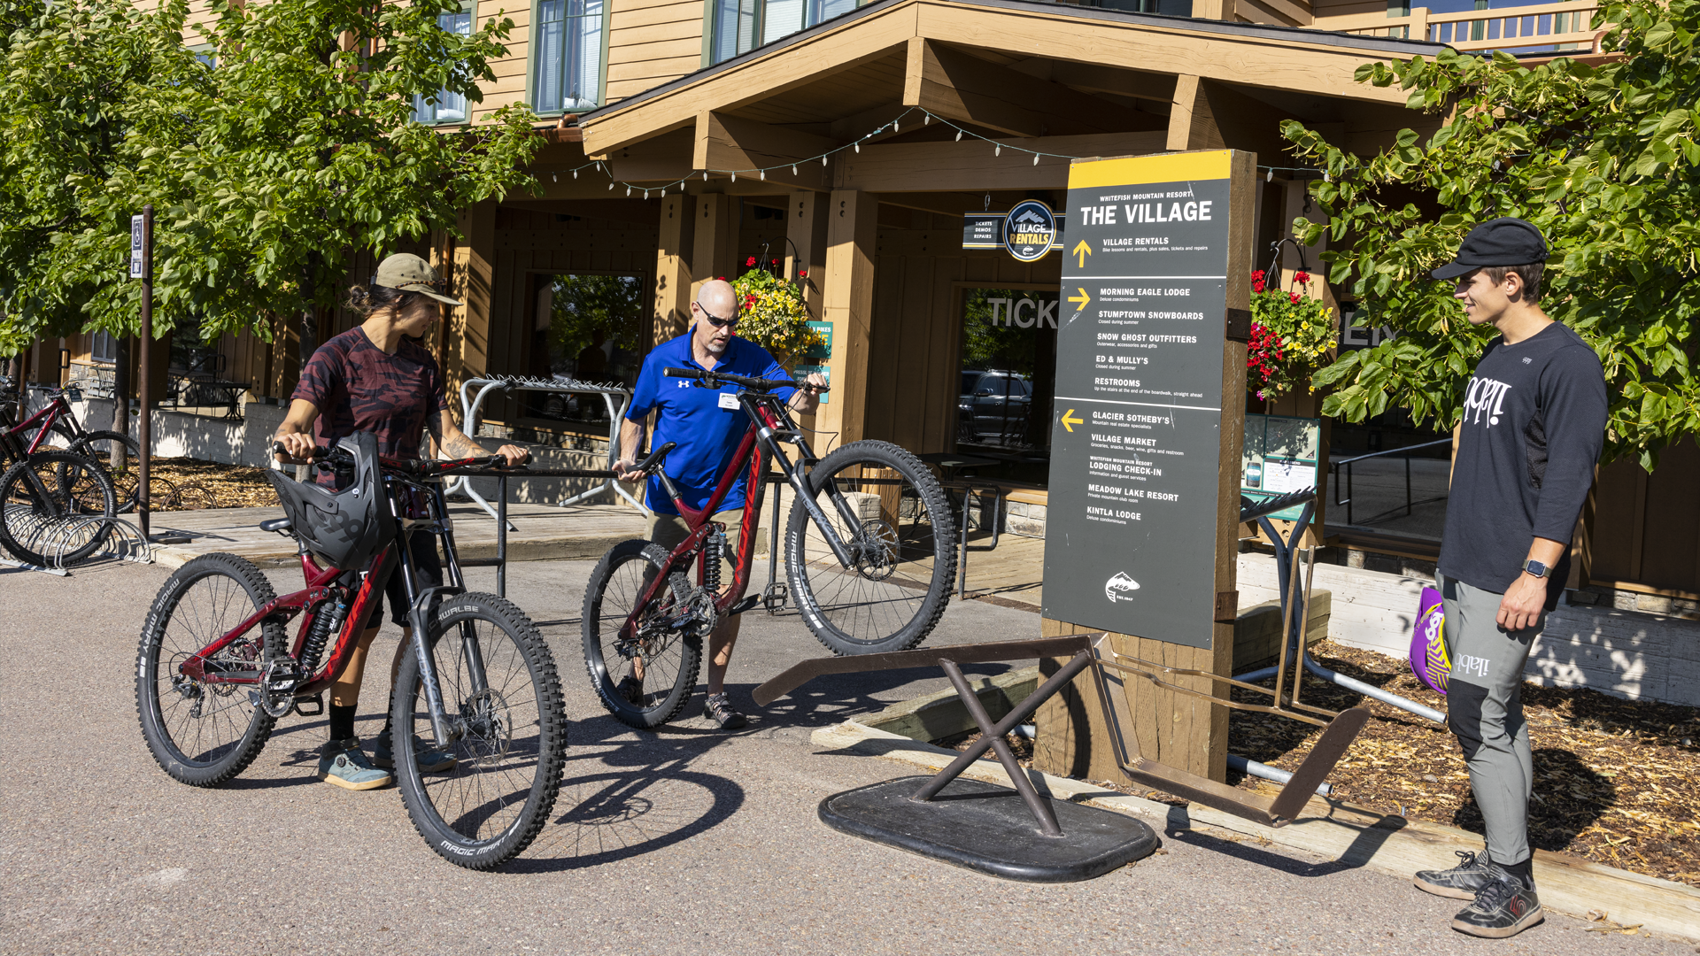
317	702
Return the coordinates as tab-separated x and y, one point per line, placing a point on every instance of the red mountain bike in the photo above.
215	668
42	489
117	453
870	554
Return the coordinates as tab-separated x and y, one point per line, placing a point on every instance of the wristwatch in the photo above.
1535	568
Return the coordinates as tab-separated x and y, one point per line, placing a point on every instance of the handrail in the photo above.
1391	451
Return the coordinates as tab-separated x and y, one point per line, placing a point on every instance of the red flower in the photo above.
1257	286
1302	277
1295	298
1257	276
720	278
774	261
750	261
802	273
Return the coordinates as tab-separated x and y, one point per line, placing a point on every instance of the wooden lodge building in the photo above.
687	136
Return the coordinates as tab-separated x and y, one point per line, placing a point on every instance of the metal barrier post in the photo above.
502	536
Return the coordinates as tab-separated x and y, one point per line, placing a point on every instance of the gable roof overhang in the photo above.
905	41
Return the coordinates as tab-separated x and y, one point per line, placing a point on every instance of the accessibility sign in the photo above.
1131	536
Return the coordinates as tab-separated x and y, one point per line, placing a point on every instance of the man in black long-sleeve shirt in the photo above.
1534	420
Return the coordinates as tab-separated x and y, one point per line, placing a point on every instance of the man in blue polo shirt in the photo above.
706	425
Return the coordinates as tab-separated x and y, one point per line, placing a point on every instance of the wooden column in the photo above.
474	285
1173	728
805	226
714	247
847	303
671	313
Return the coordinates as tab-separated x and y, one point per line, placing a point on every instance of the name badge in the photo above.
729	400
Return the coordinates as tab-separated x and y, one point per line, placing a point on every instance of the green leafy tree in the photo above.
1603	159
269	162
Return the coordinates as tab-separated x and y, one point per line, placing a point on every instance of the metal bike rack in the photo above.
1295	609
471	405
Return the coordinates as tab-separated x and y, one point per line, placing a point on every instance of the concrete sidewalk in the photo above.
685	841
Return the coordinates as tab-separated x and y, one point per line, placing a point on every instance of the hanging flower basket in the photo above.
772	314
1291	337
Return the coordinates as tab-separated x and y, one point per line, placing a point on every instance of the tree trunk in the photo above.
121	396
309	341
15	371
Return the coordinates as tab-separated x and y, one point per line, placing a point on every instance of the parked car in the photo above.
993	406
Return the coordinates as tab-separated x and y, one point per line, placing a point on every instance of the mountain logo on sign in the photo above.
1120	587
1030	230
1032	216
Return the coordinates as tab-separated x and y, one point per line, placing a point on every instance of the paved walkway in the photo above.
685	841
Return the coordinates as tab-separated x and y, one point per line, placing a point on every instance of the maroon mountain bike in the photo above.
870	554
44	490
215	669
117	453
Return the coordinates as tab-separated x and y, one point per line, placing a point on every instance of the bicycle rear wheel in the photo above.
125	472
204	733
902	544
499	681
50	506
669	653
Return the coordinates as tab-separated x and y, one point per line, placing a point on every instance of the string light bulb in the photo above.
959	136
997	150
895	127
1325	177
628	192
555	177
1271	176
610	187
926	119
734	175
646	195
793	169
705	175
858	146
764	175
575	172
1035	159
823	160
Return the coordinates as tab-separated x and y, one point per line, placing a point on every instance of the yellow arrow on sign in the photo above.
1082	298
1069	423
1082	251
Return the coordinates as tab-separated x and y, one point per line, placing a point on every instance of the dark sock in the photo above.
389	719
1524	871
342	722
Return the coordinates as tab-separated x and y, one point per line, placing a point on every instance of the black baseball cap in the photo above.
1497	242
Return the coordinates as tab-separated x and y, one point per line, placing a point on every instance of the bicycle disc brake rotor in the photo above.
876	550
487	719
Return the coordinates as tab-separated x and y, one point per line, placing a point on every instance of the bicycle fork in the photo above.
445	727
777	428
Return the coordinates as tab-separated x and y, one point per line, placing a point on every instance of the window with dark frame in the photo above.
739	26
587	328
567	73
104	348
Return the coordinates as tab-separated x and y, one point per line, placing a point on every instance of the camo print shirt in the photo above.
357	387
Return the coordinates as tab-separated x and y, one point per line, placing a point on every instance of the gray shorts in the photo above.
668	530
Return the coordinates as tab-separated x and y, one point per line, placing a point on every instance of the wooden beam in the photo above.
974	164
474	285
805	226
663	159
967	89
1283	61
796	64
728	143
848	298
675	247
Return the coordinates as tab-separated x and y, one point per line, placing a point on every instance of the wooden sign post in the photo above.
1146	443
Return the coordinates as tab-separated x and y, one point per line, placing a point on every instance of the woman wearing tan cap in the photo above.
378	378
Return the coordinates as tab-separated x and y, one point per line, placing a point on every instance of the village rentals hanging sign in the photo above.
1028	232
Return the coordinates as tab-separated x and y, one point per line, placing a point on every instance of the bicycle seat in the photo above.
276	524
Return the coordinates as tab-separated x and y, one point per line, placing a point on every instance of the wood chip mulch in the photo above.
188	484
1616	781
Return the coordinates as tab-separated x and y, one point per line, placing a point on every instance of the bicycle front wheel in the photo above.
121	456
894	521
51	506
646	680
203	733
502	692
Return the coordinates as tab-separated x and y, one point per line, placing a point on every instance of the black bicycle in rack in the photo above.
869	551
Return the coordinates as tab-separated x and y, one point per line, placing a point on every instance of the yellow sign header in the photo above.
1164	168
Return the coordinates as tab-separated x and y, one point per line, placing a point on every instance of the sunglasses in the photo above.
717	321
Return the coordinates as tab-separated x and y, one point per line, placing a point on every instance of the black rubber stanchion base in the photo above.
987	828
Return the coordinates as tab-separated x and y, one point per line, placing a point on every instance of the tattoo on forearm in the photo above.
460	446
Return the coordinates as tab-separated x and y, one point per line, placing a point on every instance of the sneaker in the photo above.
430	761
1463	881
630	690
342	763
1505	907
719	709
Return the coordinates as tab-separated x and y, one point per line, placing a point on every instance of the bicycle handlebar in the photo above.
716	379
417	467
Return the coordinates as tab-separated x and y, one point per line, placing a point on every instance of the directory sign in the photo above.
1131	527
